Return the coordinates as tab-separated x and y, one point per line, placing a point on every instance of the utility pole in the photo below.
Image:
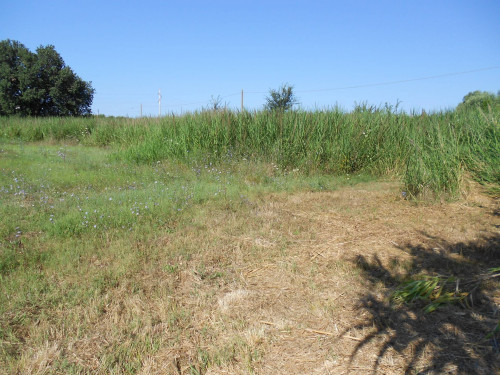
159	103
242	100
141	109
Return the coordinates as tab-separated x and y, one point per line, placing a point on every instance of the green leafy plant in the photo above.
282	99
435	291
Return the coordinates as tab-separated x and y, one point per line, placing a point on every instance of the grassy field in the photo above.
431	154
246	243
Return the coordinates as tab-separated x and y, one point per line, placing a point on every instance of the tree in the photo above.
40	84
282	99
480	99
216	104
14	58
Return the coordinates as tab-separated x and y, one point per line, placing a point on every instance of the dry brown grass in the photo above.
288	284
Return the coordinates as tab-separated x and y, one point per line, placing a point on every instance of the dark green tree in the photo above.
282	99
14	59
40	84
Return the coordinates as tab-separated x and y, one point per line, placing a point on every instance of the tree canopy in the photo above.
40	84
282	99
481	99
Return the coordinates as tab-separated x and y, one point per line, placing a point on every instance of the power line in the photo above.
386	83
200	102
403	81
389	82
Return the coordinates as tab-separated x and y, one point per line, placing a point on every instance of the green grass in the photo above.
86	206
438	291
76	223
51	193
435	291
432	154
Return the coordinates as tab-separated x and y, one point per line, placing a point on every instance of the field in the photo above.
249	243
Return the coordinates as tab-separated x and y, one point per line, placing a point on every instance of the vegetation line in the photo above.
431	153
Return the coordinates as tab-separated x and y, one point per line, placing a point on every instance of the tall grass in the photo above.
431	153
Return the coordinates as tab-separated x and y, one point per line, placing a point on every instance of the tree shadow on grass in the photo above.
451	340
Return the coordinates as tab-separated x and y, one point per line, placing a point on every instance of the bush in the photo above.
282	99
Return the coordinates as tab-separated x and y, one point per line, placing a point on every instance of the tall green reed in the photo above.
430	153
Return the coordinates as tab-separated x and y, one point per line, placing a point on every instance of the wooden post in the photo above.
241	100
159	103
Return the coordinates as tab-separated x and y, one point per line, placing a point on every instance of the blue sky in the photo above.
193	50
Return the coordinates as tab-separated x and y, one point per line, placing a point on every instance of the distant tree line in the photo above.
40	84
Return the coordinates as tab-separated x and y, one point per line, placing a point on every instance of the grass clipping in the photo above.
437	291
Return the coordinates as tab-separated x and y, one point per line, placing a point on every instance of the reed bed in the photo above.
431	154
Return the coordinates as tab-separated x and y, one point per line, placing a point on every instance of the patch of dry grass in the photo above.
283	284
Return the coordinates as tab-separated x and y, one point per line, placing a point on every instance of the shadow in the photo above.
450	340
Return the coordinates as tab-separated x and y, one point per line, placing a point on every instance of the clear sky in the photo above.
332	52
